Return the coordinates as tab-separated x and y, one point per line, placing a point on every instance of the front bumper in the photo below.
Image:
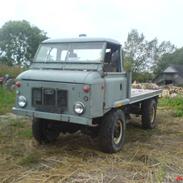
53	116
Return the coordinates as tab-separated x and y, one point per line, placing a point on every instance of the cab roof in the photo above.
82	39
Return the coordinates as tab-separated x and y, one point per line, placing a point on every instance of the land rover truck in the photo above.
80	84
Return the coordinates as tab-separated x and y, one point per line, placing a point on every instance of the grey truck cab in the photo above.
80	84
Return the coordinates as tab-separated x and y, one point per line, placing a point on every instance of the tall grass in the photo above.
7	100
13	71
175	103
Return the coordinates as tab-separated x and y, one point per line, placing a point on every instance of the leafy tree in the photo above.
165	48
19	42
135	49
142	56
128	63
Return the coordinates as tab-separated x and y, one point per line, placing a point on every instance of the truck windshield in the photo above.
70	52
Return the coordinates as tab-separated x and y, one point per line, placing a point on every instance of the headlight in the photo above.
79	108
22	101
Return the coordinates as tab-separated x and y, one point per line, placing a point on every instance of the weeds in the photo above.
26	133
148	156
175	103
30	159
11	71
7	100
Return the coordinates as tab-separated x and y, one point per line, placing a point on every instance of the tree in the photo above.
134	50
142	54
19	42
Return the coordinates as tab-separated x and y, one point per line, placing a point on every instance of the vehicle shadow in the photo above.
78	142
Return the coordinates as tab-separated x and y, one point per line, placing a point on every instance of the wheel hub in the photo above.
118	130
152	115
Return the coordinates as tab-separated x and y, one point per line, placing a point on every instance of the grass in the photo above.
175	103
7	100
26	133
148	155
30	159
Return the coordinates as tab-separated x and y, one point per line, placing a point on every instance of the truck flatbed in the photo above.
138	95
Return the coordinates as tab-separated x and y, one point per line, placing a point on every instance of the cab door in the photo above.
115	80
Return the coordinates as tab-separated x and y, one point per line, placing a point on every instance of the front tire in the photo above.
149	114
112	131
44	131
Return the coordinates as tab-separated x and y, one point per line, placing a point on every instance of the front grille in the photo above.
49	97
36	96
49	100
62	98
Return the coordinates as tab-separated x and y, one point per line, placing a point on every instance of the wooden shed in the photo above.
173	74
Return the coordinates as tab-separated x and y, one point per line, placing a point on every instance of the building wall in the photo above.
179	80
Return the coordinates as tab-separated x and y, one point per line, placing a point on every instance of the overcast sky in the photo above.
100	18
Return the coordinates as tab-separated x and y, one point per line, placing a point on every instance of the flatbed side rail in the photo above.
139	95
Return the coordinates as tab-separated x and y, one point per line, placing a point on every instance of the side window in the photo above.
112	59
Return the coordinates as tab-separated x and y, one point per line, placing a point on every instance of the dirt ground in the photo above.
148	155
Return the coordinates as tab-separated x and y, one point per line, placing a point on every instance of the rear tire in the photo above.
44	131
112	131
149	114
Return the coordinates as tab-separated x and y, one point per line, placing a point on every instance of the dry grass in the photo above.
148	156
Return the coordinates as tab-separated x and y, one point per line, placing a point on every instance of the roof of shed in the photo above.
174	69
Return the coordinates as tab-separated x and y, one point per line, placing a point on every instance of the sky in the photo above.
159	19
